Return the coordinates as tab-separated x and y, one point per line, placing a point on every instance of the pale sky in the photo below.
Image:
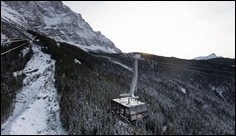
172	29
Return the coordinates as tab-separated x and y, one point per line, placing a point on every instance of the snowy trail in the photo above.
115	62
122	65
36	107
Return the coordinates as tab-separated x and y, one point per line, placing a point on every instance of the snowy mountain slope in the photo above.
12	16
36	108
211	56
57	21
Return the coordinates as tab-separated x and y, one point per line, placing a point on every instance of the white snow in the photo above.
218	90
183	90
124	66
93	48
60	24
56	19
99	48
3	37
25	51
17	73
11	15
116	62
77	61
124	101
36	108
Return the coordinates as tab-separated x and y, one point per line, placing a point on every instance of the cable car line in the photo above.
14	48
13	41
201	72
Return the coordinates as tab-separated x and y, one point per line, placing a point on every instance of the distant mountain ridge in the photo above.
211	56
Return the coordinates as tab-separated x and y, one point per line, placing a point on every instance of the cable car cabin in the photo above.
130	110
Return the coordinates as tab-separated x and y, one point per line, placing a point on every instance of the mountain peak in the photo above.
211	56
57	21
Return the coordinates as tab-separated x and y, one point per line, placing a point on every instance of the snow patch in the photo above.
17	73
25	51
122	65
3	37
99	48
183	90
93	48
52	21
11	15
77	61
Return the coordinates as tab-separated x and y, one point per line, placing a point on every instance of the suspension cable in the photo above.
31	42
195	67
14	48
168	65
13	41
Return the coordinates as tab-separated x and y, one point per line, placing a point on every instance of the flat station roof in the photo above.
124	101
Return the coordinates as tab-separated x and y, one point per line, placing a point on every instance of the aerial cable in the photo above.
201	72
31	42
13	41
197	67
14	48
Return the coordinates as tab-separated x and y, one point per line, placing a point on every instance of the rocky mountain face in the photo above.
182	96
57	21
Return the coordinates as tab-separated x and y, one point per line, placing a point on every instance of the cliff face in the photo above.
57	21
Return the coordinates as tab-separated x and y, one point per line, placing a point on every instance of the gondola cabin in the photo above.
130	110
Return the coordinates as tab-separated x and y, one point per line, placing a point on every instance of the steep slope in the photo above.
57	21
36	106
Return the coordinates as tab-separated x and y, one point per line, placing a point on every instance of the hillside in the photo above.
183	96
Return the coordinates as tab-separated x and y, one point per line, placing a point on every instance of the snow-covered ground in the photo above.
11	15
93	48
36	107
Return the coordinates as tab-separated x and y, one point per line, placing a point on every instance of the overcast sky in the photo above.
179	29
